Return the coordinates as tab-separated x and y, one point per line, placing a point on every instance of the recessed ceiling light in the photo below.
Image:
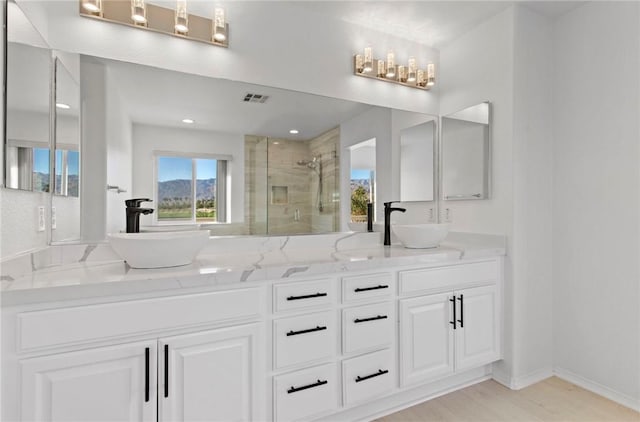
294	131
276	143
188	121
63	106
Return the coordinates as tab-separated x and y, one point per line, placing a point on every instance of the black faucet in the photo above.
133	213
387	221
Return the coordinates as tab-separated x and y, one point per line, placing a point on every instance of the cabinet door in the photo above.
478	336
210	375
426	338
105	384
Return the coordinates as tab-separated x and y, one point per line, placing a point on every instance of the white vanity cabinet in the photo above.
451	331
116	383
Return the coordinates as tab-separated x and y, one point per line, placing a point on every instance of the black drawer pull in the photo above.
304	387
453	301
366	289
377	374
306	296
461	320
375	318
310	330
166	370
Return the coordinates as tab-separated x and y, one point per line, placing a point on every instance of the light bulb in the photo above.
411	77
381	70
402	73
391	65
422	81
359	63
93	6
182	17
138	11
219	25
368	60
431	74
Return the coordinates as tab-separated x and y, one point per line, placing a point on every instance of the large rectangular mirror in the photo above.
466	153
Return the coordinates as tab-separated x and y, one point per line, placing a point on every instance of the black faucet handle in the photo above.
388	204
135	202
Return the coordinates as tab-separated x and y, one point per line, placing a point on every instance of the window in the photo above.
67	164
362	192
190	188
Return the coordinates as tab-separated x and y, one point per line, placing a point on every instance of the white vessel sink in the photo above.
158	249
420	236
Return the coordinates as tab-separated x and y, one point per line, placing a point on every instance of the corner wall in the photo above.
596	199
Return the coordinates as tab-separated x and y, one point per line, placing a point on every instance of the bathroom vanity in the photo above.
282	328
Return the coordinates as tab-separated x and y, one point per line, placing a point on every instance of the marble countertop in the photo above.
228	261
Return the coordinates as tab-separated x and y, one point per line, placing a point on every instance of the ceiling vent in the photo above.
255	98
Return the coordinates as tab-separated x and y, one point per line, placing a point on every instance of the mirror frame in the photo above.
488	162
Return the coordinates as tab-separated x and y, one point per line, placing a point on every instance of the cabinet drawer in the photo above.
367	326
55	327
306	294
447	277
306	393
367	376
366	286
304	338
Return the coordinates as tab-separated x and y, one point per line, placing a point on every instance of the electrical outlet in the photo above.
447	215
42	225
431	216
53	218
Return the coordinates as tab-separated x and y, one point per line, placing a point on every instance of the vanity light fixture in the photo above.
138	12
387	70
63	106
155	16
188	121
219	33
92	6
182	18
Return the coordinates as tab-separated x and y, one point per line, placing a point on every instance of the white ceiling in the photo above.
163	98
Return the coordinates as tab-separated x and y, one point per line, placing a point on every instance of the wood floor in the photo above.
550	400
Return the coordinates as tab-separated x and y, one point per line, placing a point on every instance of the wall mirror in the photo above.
362	181
466	153
65	201
417	153
27	162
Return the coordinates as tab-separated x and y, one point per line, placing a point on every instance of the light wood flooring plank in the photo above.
550	400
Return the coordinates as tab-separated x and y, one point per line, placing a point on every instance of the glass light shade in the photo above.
359	63
431	74
382	72
182	17
368	59
411	77
138	11
92	6
219	25
402	73
391	65
422	81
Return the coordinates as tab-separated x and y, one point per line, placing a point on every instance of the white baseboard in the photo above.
521	382
623	399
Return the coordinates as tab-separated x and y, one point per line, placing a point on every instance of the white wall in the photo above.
292	46
119	157
596	198
147	139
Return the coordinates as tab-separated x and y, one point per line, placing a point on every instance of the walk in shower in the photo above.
292	186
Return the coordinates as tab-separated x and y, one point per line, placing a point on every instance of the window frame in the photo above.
224	187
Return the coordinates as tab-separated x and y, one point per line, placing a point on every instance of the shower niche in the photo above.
291	185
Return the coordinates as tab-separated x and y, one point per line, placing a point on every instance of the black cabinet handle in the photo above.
453	300
375	318
166	370
366	289
306	296
310	330
146	374
304	387
461	320
377	374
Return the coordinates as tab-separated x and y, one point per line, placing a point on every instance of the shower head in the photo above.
312	164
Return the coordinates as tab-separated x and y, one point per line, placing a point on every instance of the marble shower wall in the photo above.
281	196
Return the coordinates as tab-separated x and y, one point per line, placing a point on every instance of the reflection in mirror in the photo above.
27	162
363	179
417	145
466	146
65	201
276	151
